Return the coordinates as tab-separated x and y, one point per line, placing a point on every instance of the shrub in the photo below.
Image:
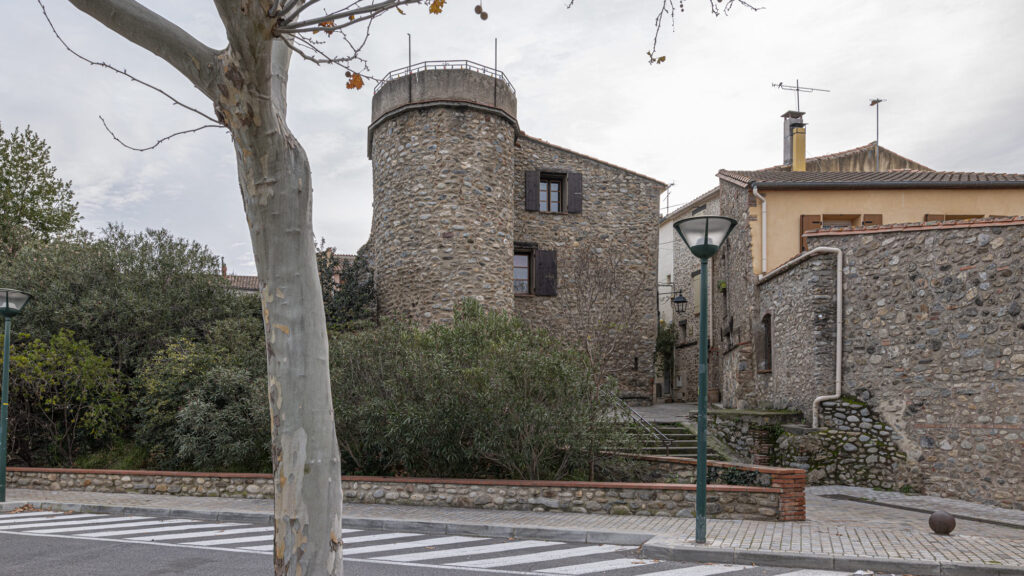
64	399
482	396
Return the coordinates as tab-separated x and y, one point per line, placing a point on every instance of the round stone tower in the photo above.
441	142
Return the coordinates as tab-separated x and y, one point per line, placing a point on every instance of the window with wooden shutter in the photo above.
807	223
574	184
533	191
871	220
546	267
934	217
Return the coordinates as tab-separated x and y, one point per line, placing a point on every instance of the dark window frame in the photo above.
530	271
544	192
764	361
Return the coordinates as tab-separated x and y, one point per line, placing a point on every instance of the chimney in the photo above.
789	119
799	147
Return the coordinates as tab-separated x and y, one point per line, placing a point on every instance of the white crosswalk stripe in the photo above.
591	567
22	521
374	537
65	530
227	541
264	548
702	570
466	551
74	521
177	528
205	534
815	573
540	556
416	544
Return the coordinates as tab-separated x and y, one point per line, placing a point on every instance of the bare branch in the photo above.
147	29
158	142
124	73
345	14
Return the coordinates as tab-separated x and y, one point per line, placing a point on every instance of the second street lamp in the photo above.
703	235
12	302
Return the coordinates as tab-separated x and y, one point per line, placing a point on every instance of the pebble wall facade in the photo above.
450	170
442	211
933	362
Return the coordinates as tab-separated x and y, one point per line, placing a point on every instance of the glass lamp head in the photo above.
12	301
679	301
704	235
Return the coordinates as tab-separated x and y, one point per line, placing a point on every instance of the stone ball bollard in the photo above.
941	522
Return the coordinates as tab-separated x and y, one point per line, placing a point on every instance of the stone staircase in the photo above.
681	442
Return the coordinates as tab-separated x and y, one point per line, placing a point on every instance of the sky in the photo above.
950	72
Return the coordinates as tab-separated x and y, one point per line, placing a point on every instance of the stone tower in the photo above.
441	143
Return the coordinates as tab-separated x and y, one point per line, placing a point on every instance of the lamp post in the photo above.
679	301
12	302
703	235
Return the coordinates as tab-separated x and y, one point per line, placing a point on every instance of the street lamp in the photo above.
679	301
12	302
704	235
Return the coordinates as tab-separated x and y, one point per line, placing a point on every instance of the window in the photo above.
695	292
551	193
521	273
810	222
764	360
534	271
554	192
941	217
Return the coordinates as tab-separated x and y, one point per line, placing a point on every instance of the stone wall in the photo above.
781	499
442	211
934	344
618	224
734	300
854	448
802	306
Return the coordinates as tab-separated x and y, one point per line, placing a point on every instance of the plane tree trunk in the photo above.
247	84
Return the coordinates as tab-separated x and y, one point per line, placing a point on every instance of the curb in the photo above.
664	548
388	524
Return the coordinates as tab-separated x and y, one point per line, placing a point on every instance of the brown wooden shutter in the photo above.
871	220
533	191
574	184
547	273
934	217
812	222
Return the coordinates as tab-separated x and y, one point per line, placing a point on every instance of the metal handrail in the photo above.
647	426
444	65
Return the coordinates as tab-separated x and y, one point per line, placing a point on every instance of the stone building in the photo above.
466	205
682	270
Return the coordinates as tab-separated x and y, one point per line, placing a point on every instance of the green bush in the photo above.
225	423
483	396
221	376
64	399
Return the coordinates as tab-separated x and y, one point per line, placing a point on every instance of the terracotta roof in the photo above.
244	283
599	161
773	179
918	226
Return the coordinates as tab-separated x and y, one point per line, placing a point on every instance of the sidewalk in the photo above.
889	534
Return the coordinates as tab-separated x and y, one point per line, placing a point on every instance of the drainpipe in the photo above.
815	406
764	230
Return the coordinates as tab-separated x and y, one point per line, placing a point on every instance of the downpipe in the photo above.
816	405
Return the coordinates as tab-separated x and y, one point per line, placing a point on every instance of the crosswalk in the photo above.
473	553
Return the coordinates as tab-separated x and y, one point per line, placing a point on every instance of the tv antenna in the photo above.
877	103
798	89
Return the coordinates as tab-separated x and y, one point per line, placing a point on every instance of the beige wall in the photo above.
896	206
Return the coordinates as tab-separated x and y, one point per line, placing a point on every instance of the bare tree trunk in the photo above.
274	175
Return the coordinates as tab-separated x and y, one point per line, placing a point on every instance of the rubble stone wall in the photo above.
618	223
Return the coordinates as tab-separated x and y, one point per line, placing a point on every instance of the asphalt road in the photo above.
55	544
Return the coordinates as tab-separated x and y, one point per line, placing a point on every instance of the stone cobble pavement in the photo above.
837	529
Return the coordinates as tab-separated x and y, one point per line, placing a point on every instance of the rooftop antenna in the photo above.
798	89
877	103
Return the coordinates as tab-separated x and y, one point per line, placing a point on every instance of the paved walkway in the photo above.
836	531
667	412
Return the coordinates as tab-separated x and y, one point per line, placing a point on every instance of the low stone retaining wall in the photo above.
781	499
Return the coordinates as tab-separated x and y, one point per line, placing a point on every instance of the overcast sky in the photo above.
950	70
